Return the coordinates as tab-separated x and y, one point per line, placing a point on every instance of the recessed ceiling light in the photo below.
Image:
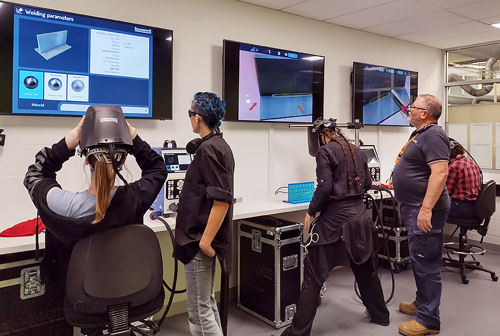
496	25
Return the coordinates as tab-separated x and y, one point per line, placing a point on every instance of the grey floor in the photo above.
467	310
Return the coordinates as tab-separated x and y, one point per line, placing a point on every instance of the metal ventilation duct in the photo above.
468	88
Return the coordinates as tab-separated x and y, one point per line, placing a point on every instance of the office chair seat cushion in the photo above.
473	223
119	265
77	319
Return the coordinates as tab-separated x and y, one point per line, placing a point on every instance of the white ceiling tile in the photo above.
465	40
325	9
479	10
418	23
445	4
401	9
491	20
467	28
274	4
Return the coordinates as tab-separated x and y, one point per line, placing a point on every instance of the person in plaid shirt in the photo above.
463	182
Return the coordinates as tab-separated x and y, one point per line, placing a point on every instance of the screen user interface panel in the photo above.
177	162
269	84
381	94
62	63
371	154
373	162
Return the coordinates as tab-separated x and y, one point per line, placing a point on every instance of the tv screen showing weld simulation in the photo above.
265	84
57	63
381	94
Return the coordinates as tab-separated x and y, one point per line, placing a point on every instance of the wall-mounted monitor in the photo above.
58	63
380	94
272	85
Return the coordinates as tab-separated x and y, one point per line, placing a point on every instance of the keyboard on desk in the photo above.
300	192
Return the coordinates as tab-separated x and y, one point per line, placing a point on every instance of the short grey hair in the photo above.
432	104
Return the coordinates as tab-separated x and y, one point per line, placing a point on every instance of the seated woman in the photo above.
463	183
71	216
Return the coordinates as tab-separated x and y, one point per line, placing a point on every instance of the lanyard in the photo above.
404	147
416	133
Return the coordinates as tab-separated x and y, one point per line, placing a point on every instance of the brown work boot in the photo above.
408	308
413	328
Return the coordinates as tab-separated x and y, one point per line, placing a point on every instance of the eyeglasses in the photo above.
192	114
412	106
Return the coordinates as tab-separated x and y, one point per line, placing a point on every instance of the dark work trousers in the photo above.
369	287
426	254
462	209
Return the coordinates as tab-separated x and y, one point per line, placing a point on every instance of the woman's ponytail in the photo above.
105	181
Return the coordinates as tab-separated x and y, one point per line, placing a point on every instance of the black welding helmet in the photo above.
105	131
104	125
321	124
314	132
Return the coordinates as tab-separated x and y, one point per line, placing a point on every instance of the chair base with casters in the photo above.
463	250
115	278
484	207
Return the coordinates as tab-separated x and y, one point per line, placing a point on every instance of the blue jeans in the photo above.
203	315
426	254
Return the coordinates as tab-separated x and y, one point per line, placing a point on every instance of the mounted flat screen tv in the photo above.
265	84
380	94
58	63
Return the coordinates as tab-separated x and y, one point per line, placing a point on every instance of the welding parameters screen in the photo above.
177	162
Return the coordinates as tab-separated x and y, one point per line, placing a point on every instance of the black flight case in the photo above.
270	268
28	307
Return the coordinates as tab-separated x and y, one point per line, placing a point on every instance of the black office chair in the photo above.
115	278
484	205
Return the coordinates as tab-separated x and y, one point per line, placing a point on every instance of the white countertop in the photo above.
250	206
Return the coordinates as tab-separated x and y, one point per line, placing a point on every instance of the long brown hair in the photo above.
104	175
335	135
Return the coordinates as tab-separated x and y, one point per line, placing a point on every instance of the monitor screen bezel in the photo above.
230	84
357	109
162	89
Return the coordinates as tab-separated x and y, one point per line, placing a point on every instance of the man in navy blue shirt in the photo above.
419	185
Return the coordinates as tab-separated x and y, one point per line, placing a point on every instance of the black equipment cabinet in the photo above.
270	268
28	307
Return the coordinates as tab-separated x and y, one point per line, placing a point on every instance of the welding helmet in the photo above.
320	125
314	132
105	131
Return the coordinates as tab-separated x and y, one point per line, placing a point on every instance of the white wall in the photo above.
199	27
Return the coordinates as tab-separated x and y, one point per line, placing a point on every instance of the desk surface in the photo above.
251	206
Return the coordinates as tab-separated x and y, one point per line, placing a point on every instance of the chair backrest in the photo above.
119	265
485	204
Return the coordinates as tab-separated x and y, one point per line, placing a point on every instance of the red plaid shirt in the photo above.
464	179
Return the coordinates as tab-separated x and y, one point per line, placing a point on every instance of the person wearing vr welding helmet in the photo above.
204	217
343	233
105	138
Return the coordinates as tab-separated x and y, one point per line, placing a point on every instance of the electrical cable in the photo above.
173	290
371	201
470	156
283	192
313	236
